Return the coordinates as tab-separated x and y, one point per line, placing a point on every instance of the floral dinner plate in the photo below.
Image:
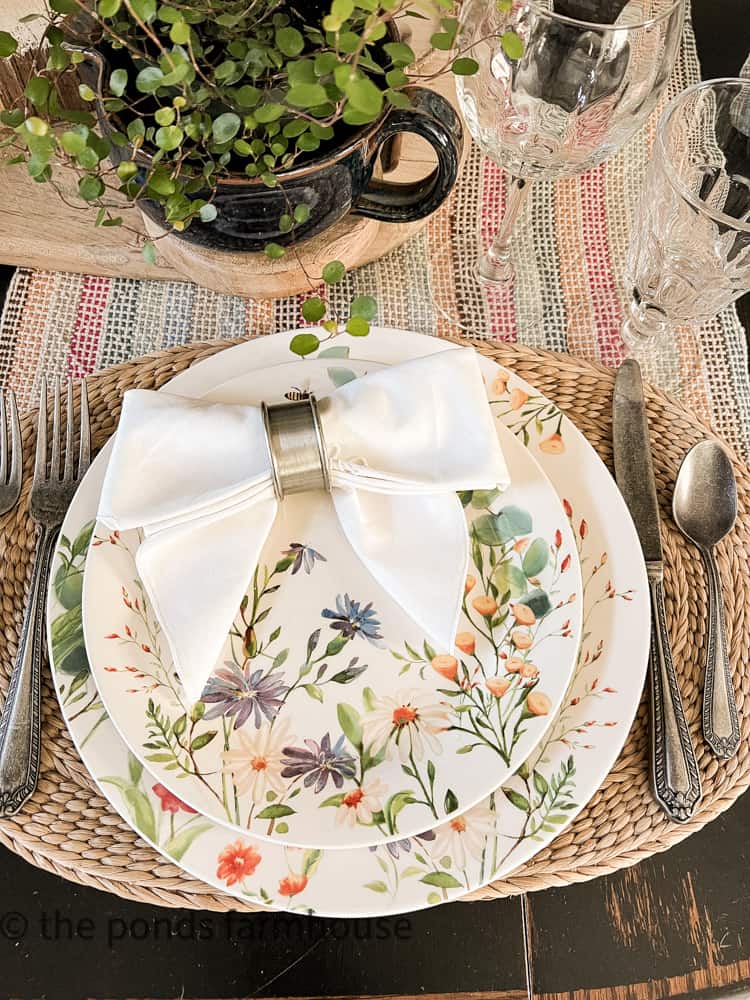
330	721
458	856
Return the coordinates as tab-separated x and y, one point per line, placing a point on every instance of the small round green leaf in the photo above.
301	213
333	272
304	344
364	306
208	213
465	66
149	80
164	116
226	126
127	170
313	309
273	251
8	45
108	8
90	188
307	95
512	45
169	137
118	82
289	41
357	326
73	142
37	90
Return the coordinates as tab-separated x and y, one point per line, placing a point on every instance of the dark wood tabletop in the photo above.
676	925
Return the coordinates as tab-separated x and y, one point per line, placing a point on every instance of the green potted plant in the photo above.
236	124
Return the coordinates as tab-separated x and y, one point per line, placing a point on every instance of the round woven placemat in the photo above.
69	828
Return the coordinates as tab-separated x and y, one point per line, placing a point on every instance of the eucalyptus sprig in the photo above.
202	89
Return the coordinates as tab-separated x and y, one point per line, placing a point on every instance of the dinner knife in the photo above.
675	778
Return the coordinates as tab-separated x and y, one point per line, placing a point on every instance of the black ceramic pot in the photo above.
339	181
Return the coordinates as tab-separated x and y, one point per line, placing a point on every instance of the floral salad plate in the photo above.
448	859
330	721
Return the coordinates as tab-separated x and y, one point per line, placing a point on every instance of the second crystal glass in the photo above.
556	95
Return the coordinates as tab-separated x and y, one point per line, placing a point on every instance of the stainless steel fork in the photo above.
10	453
51	493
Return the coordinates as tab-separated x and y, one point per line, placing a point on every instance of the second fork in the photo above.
51	493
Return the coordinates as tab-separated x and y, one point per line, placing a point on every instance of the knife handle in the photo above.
674	769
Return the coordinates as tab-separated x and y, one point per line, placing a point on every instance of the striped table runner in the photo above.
569	254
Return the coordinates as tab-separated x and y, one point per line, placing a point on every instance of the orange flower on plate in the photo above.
497	686
523	614
517	399
236	862
522	638
292	885
466	642
500	385
446	666
514	664
471	582
485	606
538	703
169	802
552	445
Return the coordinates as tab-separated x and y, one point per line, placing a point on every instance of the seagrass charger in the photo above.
70	829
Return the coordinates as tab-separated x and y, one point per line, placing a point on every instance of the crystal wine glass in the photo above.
561	85
689	253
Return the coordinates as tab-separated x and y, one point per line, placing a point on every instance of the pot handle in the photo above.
434	118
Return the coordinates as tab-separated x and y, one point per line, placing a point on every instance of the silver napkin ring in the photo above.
299	461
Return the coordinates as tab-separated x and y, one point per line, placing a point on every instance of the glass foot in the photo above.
496	270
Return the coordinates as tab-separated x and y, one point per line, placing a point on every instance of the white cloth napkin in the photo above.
196	477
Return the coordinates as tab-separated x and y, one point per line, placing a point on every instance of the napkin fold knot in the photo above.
203	481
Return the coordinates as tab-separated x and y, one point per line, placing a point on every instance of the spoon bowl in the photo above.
705	497
705	509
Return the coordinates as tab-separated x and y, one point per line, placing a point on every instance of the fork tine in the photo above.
85	449
54	464
16	452
3	442
40	463
69	428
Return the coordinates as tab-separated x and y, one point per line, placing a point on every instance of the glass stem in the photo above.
644	324
496	267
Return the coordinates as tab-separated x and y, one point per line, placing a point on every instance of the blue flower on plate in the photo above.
351	619
304	557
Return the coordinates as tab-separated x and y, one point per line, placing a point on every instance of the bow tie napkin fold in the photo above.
196	478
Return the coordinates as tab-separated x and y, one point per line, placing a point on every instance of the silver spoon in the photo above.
704	507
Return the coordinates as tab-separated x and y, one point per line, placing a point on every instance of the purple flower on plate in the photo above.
304	557
396	846
351	619
318	763
234	691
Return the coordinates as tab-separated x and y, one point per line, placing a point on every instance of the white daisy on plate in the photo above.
464	835
359	805
256	763
410	719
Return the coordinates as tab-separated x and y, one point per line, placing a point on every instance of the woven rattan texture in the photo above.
68	828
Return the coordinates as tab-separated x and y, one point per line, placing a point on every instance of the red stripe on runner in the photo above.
501	304
87	332
601	277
